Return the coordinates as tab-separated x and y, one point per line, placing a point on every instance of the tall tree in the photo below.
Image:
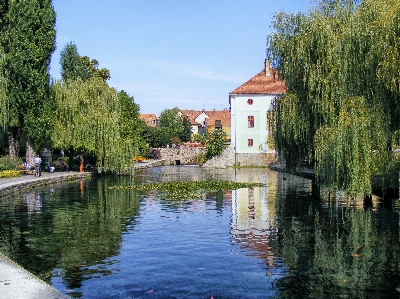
131	126
89	118
71	63
341	112
74	66
28	39
186	132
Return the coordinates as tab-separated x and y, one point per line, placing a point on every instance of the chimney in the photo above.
267	68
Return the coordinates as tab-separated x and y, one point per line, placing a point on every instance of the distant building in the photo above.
205	121
249	104
151	120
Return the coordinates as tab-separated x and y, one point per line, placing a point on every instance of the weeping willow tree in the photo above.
341	63
88	118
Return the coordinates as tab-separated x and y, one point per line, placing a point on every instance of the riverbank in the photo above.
10	185
18	283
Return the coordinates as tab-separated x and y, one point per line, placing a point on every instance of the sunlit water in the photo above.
275	241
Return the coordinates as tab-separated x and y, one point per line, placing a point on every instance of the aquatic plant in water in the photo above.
188	190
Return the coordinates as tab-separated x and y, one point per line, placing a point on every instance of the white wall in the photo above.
240	132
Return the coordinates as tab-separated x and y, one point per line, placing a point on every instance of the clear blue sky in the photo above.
171	53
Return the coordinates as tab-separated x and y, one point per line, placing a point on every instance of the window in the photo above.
250	101
250	121
249	142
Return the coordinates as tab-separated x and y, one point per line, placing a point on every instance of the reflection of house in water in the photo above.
254	215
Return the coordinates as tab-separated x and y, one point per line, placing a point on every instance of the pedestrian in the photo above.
81	163
37	161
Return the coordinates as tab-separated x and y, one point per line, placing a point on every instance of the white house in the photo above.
249	105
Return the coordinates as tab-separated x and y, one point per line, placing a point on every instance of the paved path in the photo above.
17	283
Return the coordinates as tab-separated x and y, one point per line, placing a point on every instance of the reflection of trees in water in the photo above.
74	230
90	231
336	251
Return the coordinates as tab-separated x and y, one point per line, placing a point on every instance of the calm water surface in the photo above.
275	241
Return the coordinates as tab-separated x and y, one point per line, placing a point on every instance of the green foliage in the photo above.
28	39
89	119
73	66
340	63
186	131
7	163
170	125
152	136
200	138
131	126
91	69
188	190
216	143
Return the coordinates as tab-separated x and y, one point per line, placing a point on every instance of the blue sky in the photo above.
171	53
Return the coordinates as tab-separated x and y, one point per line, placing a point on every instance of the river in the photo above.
274	241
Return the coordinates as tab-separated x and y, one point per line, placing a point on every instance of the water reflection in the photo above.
276	240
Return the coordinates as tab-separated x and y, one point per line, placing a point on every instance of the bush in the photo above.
216	143
153	154
9	174
6	163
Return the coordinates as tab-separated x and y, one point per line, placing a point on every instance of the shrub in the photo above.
9	174
153	154
6	163
216	143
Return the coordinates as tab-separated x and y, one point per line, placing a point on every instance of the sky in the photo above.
171	53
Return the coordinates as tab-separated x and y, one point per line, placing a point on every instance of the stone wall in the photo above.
182	156
190	156
228	159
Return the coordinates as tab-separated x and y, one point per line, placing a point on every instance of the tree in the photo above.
89	118
152	136
340	63
186	133
170	124
216	143
71	63
131	126
27	39
74	66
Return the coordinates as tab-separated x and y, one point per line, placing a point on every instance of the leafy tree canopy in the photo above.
27	38
74	66
90	117
341	112
170	124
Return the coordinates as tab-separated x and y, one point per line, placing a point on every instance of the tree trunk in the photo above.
30	152
13	146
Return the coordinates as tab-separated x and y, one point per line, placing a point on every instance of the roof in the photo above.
262	84
223	115
149	119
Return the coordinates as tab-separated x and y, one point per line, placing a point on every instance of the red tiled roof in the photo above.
262	84
223	115
149	119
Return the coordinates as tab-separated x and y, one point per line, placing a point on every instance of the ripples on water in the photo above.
275	241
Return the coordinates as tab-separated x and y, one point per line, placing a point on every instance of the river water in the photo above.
274	241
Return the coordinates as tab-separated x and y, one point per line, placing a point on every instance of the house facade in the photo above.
205	121
151	120
250	104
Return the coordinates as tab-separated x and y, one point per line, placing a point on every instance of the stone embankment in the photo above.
11	185
182	155
229	158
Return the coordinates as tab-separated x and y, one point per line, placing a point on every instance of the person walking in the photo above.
37	161
81	163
